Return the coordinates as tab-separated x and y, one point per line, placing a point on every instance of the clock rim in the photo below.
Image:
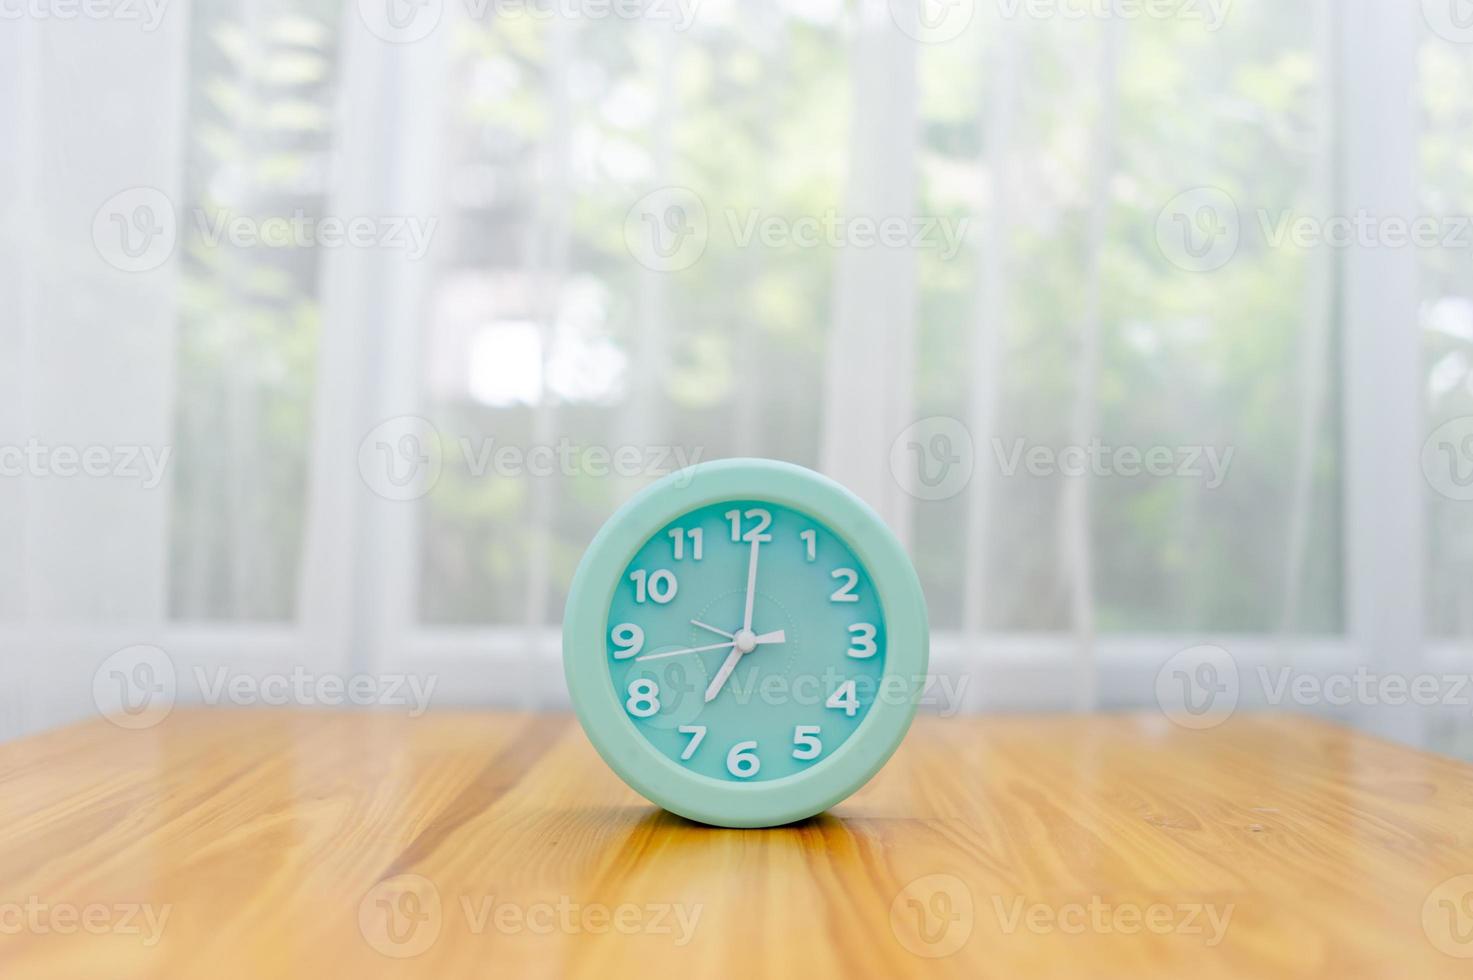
636	760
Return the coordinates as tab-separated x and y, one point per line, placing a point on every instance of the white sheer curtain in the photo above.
1034	305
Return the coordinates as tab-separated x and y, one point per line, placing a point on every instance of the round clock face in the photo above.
746	641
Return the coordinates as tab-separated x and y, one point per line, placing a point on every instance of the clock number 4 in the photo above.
679	536
659	585
844	698
761	521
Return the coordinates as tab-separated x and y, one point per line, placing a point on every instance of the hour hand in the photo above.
697	622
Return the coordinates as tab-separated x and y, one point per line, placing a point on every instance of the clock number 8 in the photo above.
644	698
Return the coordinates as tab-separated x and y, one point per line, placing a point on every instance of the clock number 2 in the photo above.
845	592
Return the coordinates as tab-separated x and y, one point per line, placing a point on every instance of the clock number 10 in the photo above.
659	585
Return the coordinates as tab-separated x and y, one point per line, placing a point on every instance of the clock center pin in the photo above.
746	641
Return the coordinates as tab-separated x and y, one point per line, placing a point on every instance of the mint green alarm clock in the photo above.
745	642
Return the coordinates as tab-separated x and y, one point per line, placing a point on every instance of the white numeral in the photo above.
659	586
805	742
644	698
845	699
862	646
756	533
697	732
845	592
810	538
742	761
628	640
678	536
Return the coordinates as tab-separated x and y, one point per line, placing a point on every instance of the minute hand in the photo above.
678	653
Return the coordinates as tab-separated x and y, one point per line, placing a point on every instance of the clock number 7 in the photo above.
697	733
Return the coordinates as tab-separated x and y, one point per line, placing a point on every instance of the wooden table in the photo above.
285	844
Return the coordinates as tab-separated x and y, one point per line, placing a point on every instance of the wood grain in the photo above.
285	844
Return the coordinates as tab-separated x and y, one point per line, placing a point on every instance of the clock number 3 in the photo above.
862	641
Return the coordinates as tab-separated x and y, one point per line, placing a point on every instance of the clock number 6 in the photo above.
659	586
742	761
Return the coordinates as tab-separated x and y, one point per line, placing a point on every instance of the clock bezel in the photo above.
633	757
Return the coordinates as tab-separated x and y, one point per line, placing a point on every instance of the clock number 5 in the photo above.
758	532
845	592
659	586
806	744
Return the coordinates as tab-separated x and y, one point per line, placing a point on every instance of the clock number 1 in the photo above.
810	539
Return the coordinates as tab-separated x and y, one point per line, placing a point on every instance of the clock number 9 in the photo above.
659	586
862	645
644	698
628	640
742	761
763	521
